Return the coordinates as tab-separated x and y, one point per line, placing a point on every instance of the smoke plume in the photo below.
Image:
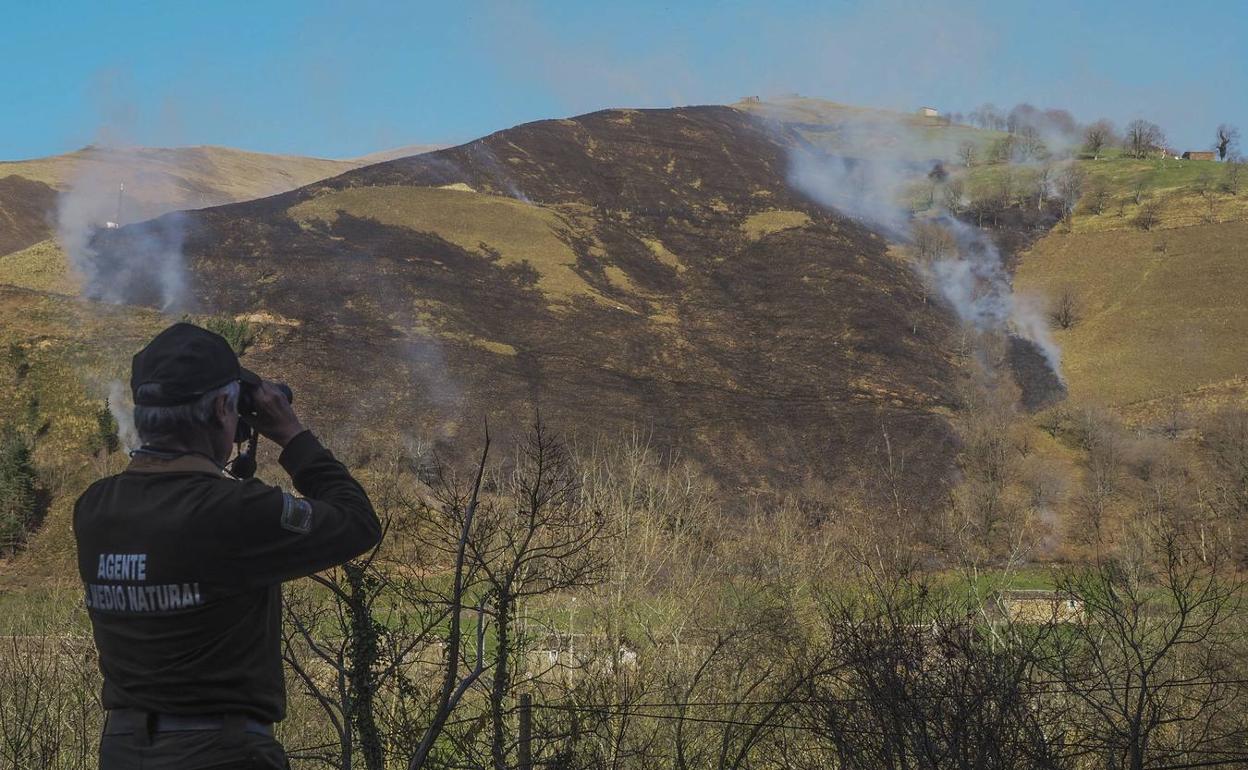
147	264
123	412
877	164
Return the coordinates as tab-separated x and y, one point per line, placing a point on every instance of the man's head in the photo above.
186	386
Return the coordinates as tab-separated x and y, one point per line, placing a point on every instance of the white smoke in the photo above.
431	372
975	282
122	409
877	165
148	265
864	190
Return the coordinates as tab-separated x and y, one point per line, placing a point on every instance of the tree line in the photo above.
1030	128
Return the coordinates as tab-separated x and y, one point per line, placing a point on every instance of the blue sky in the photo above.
338	79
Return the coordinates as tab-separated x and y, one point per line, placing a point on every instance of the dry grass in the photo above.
42	267
662	253
1175	207
398	152
236	173
873	130
766	222
72	350
1162	312
159	180
520	232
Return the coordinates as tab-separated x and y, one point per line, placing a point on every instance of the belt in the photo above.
129	721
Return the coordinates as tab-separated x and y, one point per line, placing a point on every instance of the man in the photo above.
183	563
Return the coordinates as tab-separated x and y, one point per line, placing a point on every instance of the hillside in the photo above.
1153	261
156	180
397	152
866	132
26	207
623	270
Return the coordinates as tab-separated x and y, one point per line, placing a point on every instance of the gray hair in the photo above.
157	424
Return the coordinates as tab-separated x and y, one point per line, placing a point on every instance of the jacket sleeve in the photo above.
267	536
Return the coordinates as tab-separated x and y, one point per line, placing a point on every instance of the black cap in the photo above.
187	362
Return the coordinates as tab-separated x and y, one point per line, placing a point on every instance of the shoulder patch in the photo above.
296	514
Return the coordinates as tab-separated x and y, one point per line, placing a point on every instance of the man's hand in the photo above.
275	417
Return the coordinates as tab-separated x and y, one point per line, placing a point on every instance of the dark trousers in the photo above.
192	750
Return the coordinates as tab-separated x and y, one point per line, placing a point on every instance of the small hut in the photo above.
1038	607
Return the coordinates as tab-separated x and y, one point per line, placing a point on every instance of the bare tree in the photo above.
1097	136
1006	185
987	513
1060	121
910	681
955	194
1149	214
933	242
1030	146
752	666
1234	175
352	633
1225	444
49	688
1065	313
1228	140
1205	187
1099	437
1070	182
1043	184
935	178
1023	115
1003	150
988	116
1147	669
459	675
985	204
966	153
538	538
1097	197
1143	138
358	637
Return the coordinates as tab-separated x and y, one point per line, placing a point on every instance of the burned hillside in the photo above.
26	208
625	270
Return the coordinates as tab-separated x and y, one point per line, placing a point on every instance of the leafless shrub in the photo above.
49	691
933	242
1149	671
1097	199
1149	215
1065	312
910	680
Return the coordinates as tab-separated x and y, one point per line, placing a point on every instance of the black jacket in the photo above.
182	567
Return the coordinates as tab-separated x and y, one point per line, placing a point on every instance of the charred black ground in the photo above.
776	358
1040	386
26	209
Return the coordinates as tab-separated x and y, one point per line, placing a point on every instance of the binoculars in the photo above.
244	465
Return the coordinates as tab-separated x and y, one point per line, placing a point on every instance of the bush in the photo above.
1149	215
1065	311
18	494
106	438
239	333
